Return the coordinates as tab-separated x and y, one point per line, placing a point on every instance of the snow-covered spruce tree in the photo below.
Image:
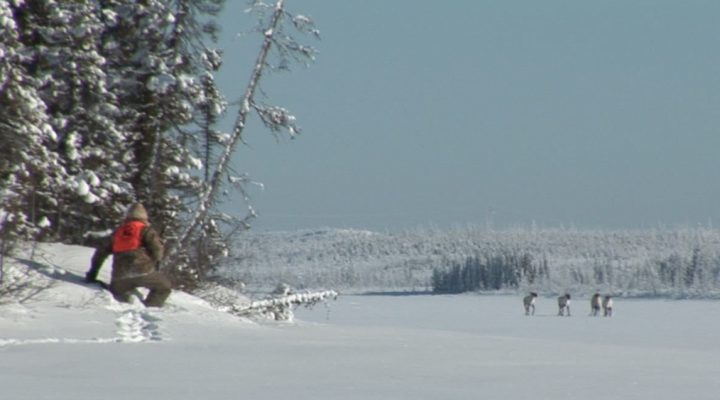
84	114
161	70
212	241
29	170
15	95
68	163
153	85
210	244
201	145
277	51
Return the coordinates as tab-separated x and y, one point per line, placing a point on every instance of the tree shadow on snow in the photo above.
59	274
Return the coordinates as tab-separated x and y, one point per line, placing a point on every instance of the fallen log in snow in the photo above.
280	308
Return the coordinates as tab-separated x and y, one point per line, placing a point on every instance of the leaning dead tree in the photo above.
276	42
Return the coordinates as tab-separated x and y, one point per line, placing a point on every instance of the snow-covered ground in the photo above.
72	341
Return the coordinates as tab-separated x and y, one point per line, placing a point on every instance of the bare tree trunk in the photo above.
214	187
4	234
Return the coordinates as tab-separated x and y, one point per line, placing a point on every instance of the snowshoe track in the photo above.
138	326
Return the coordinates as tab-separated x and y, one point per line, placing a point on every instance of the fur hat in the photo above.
137	211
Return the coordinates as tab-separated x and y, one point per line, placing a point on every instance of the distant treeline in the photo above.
664	262
487	272
691	275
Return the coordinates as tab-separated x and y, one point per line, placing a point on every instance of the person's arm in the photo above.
153	243
98	258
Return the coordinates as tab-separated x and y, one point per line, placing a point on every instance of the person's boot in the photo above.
156	298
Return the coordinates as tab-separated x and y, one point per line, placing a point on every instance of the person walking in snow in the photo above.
564	304
595	303
607	306
529	303
137	250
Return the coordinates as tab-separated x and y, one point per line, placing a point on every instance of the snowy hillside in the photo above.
662	262
48	295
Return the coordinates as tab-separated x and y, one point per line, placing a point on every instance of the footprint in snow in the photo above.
138	326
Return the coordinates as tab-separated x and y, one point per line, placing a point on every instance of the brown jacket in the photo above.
141	261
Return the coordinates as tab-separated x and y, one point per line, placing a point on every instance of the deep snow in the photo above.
73	341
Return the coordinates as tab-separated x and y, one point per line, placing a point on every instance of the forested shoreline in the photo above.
660	262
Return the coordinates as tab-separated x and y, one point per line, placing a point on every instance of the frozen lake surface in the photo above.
471	346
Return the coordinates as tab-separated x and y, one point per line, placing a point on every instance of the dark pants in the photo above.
158	284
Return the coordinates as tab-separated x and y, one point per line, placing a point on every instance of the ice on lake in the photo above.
473	346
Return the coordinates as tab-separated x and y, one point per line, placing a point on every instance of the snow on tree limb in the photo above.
274	117
209	196
279	307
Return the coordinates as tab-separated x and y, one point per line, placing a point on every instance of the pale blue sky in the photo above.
593	114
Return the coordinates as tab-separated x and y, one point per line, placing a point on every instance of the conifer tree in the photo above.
29	170
106	102
84	114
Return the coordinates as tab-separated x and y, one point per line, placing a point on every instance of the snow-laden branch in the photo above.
279	307
209	196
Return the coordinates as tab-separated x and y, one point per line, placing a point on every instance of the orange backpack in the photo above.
128	237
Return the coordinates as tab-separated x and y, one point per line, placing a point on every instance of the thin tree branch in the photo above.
208	197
